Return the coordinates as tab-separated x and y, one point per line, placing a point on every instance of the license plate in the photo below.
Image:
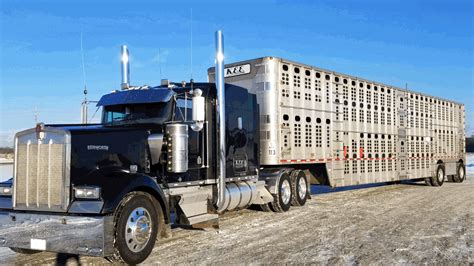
38	244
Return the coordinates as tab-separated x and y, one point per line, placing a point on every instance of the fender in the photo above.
128	183
272	177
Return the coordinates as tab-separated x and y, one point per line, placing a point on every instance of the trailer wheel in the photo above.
299	185
25	251
428	181
137	220
460	175
438	179
282	198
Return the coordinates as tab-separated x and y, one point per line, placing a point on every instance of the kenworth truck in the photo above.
184	153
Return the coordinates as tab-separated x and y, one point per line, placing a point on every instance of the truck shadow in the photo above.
63	259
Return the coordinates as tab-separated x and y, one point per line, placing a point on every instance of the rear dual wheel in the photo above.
438	179
282	198
460	175
299	188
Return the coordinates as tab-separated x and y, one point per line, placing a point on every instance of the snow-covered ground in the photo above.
470	163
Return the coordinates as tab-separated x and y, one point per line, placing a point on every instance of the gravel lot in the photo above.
396	224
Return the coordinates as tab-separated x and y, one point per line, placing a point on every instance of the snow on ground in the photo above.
470	163
408	223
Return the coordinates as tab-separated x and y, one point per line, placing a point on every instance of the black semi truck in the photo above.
186	152
108	189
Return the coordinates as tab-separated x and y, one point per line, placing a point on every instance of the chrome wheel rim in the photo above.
461	173
138	229
285	192
440	175
302	188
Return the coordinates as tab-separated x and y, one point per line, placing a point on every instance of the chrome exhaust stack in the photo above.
125	63
220	86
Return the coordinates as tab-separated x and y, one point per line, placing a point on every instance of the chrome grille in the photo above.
41	178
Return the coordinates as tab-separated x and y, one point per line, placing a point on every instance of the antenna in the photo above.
36	114
84	102
191	43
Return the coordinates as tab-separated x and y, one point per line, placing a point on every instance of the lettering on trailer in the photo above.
237	70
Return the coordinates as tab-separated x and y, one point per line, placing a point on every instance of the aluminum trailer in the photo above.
345	130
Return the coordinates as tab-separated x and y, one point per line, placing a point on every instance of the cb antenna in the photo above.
191	43
84	102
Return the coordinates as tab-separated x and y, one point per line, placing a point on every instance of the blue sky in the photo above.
427	44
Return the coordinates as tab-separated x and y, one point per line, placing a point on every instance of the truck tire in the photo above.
282	198
265	207
25	251
460	175
439	177
137	221
299	185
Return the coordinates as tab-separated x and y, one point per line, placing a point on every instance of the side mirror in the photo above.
199	110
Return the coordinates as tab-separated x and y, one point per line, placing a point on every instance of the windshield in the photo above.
139	113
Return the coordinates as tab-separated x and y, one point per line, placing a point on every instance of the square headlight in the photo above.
5	191
87	192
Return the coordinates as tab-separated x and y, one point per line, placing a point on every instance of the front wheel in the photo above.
136	227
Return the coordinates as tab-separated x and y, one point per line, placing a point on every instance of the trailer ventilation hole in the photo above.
318	75
345	81
308	119
318	120
286	117
328	121
353	83
307	72
328	77
361	135
361	85
336	79
285	67
368	86
297	70
297	118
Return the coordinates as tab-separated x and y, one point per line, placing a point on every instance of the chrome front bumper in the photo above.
84	235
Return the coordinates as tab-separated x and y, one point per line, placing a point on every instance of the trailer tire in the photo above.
439	177
299	185
25	251
138	210
460	175
282	198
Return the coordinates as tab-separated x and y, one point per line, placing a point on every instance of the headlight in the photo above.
87	192
5	191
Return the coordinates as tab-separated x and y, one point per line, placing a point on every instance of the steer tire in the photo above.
278	204
132	208
298	176
438	179
25	251
460	175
